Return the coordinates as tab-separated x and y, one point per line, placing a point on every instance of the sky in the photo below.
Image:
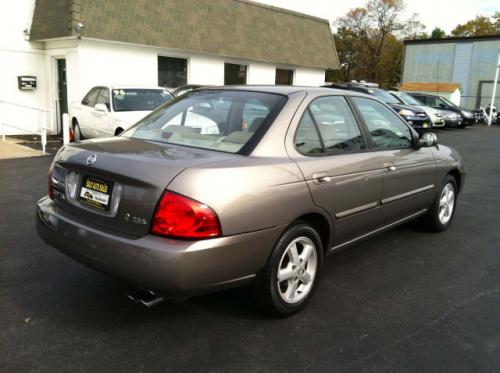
445	14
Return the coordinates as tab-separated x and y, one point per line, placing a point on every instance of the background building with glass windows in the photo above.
469	62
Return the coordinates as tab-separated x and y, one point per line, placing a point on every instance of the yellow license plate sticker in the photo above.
96	192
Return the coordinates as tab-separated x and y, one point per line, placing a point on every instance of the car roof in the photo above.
285	89
136	87
422	94
189	86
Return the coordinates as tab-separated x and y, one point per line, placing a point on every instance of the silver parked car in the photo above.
437	117
287	176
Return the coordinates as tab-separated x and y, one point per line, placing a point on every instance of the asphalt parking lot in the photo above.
406	300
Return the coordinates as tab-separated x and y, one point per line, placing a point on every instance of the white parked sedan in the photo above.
108	111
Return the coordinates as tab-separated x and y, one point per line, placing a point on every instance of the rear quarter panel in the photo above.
249	193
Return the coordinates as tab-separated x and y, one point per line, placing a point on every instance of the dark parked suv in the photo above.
416	117
439	102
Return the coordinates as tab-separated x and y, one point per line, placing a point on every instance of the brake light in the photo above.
183	217
51	185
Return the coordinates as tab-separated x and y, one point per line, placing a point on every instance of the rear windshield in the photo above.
213	119
139	99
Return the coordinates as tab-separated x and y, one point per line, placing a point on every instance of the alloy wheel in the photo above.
297	270
446	203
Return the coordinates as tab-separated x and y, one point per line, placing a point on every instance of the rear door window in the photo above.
307	139
431	101
103	97
335	124
91	97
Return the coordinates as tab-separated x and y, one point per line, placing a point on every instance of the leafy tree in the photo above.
350	55
437	33
479	26
367	36
391	61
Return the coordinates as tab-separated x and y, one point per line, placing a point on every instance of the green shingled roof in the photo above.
230	28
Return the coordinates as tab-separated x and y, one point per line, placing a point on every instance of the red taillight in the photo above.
51	185
183	217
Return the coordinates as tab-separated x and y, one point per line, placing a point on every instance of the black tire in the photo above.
432	218
266	290
462	125
76	131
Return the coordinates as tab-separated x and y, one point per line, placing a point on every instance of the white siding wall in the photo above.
20	57
261	73
309	77
455	97
205	70
102	63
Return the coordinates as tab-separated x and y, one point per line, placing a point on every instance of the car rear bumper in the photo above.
172	267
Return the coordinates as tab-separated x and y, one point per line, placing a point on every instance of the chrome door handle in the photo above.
321	177
390	168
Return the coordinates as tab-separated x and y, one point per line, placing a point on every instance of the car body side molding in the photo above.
378	230
407	194
355	210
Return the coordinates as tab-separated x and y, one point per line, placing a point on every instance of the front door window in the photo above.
386	129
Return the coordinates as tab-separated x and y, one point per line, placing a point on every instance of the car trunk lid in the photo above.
134	173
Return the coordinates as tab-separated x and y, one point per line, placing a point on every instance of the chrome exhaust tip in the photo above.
145	298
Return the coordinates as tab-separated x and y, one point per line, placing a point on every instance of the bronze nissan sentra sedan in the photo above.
245	185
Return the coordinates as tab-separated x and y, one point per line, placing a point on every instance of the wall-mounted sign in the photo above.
26	83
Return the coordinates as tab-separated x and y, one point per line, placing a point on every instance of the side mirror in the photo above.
443	106
101	108
428	139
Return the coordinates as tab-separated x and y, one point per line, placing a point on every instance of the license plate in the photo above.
96	192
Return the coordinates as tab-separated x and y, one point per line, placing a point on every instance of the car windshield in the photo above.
384	96
408	99
139	99
222	120
449	103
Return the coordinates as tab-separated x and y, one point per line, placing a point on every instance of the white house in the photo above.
54	51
